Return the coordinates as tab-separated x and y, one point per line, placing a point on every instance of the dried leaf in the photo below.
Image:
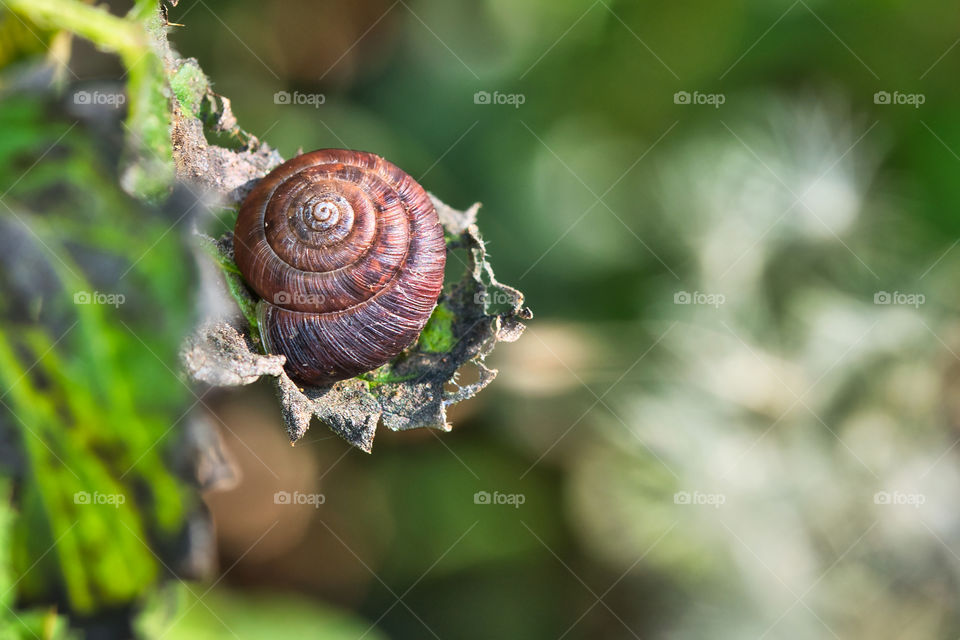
408	393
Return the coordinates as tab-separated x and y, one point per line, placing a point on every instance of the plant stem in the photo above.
107	31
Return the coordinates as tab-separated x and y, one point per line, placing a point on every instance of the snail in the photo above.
347	253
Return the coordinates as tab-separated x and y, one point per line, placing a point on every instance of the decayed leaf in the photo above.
407	393
218	355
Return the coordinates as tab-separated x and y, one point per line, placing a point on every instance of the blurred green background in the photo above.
735	413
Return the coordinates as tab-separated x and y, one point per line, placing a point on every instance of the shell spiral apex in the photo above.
347	253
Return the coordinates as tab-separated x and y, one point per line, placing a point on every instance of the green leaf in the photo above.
192	613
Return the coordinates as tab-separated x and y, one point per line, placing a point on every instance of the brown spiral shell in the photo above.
347	252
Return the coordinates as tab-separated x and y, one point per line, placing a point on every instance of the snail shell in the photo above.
347	253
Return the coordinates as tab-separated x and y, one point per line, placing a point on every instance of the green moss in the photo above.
383	375
437	335
235	283
189	85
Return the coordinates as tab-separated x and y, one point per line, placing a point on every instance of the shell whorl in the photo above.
348	254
